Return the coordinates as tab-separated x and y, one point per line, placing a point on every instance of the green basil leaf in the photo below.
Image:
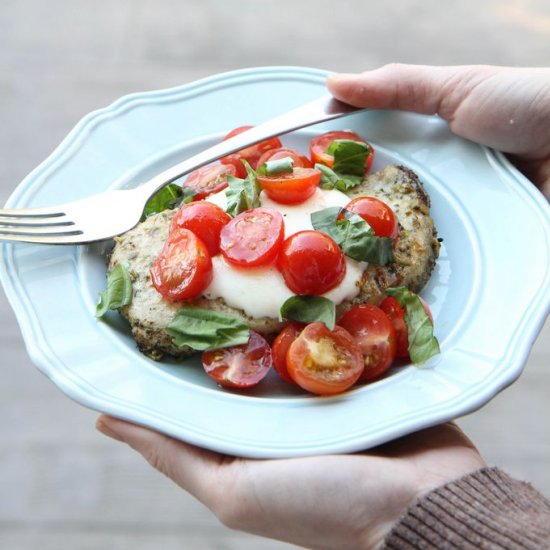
167	197
242	194
331	180
353	235
118	292
325	221
202	329
275	167
309	309
350	156
422	342
188	195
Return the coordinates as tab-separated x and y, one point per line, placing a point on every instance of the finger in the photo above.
419	88
191	468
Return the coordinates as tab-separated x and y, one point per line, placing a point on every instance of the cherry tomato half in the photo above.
209	179
205	220
311	263
251	154
374	333
390	306
377	214
299	161
253	238
291	188
239	366
324	361
280	348
183	269
319	145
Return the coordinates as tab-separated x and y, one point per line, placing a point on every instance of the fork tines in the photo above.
39	225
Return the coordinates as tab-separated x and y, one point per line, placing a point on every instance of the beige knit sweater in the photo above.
484	510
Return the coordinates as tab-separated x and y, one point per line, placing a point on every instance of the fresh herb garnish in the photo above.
118	292
309	309
422	342
188	194
242	194
275	167
331	180
353	235
168	196
350	157
202	329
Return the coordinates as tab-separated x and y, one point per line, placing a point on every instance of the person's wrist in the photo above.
383	511
419	478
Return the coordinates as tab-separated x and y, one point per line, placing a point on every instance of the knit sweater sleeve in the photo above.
487	509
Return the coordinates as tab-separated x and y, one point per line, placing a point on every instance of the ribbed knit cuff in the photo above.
484	510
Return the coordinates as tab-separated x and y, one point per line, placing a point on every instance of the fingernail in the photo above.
339	76
334	77
104	426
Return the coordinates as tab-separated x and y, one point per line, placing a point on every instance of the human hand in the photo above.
504	108
326	502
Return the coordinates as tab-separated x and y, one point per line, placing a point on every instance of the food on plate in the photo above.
299	160
377	214
393	308
253	238
287	256
183	267
374	333
324	361
280	347
209	179
205	220
322	148
290	188
251	154
239	366
311	262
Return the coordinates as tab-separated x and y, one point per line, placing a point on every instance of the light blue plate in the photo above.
490	292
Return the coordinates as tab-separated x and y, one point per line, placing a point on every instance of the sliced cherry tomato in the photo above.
280	348
253	238
319	145
183	269
251	154
374	333
299	161
209	179
203	218
239	366
390	306
311	263
291	188
324	361
377	214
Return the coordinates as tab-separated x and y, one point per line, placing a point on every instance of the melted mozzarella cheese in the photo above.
297	216
261	291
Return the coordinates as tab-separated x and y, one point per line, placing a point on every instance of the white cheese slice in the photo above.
261	291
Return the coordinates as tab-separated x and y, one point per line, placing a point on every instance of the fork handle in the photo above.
320	110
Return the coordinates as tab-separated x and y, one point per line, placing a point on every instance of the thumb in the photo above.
479	102
419	88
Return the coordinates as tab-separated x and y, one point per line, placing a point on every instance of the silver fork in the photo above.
113	212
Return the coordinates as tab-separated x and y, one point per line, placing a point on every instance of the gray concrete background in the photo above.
62	485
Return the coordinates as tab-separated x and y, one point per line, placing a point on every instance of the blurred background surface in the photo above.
62	485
